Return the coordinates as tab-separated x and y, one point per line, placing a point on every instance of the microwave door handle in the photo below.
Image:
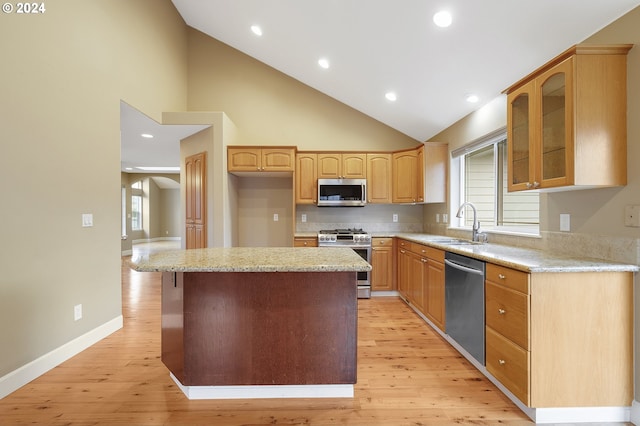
364	193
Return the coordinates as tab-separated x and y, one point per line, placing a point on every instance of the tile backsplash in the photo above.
371	218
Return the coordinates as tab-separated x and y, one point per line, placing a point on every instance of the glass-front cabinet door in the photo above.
556	150
519	134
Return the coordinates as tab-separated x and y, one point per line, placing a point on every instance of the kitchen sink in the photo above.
454	241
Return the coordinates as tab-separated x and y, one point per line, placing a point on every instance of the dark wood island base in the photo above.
260	334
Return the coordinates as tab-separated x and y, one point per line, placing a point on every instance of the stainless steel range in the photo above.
360	242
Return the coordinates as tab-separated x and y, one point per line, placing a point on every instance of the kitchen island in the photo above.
259	322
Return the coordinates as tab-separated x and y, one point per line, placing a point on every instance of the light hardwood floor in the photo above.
407	375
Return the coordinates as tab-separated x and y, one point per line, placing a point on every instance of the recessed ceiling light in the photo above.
147	136
391	96
324	63
256	30
442	19
472	98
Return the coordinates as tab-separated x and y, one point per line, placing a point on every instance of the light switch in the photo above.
565	222
87	220
275	217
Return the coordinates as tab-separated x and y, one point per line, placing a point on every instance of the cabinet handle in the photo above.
536	184
424	260
502	277
501	311
529	185
502	362
402	251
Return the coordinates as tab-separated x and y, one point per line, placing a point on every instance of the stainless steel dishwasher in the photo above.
464	303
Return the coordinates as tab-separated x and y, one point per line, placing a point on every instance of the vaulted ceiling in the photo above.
374	47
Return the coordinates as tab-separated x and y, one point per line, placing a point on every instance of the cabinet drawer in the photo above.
507	312
515	280
435	254
419	249
509	364
382	242
305	242
404	244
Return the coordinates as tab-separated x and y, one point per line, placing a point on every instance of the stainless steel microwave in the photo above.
342	192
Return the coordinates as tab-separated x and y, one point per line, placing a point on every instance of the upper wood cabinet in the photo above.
405	176
420	175
306	178
566	122
342	166
379	176
260	159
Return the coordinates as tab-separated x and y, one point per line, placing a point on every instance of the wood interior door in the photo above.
196	200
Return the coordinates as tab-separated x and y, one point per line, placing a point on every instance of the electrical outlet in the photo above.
632	216
565	222
437	217
304	217
77	312
445	218
395	217
275	217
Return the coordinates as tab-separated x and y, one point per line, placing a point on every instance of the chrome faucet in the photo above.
476	234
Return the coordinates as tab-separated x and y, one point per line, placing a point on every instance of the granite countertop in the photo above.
250	259
523	259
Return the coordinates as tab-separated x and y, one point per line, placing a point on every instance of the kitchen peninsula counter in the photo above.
259	322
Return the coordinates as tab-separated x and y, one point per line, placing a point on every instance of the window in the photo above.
479	176
136	206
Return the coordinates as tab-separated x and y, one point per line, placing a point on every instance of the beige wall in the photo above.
62	78
258	200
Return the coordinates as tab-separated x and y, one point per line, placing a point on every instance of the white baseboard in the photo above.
23	375
265	391
152	240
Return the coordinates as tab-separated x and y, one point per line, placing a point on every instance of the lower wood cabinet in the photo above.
382	272
421	279
561	339
434	291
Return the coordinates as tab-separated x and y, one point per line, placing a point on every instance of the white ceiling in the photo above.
376	46
163	150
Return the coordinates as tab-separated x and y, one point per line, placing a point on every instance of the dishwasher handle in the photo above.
464	268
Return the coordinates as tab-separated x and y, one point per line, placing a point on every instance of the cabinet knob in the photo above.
502	362
502	277
501	311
